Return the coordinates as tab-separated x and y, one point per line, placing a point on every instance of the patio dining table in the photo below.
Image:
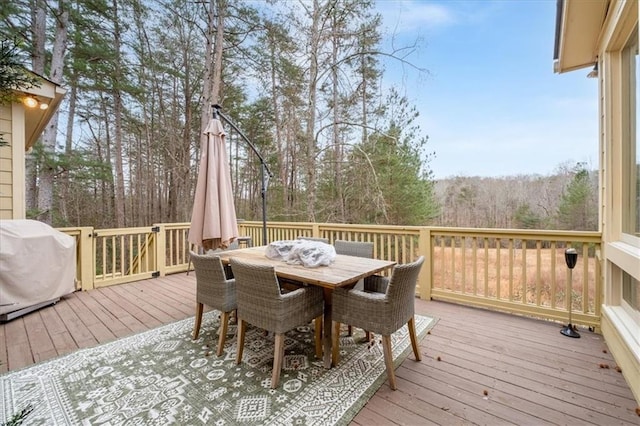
344	271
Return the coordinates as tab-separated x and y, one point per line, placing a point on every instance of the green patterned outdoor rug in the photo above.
162	377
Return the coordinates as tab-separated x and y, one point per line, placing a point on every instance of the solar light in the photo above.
571	257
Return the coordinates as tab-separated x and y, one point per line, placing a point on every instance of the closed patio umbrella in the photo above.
213	220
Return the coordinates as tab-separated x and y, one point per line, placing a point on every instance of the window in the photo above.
631	177
631	185
631	291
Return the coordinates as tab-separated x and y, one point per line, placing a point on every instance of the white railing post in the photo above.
425	279
87	259
161	248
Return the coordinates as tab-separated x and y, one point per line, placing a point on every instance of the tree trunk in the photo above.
213	61
48	171
273	74
311	148
337	114
38	34
119	196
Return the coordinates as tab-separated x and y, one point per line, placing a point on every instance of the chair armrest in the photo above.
363	296
293	294
302	293
376	283
362	309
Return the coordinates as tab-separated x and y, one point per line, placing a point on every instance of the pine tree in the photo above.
577	210
13	76
525	218
390	179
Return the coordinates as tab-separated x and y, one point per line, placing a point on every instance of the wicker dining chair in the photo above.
262	304
382	311
214	288
354	248
234	245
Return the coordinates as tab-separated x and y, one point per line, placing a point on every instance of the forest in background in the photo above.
300	79
565	200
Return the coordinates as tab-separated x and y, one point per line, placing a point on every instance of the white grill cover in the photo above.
37	264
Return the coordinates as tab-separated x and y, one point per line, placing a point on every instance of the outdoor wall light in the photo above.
594	72
30	101
33	102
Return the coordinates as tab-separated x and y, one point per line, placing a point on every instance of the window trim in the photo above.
629	104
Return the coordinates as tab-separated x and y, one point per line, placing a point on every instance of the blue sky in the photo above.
491	103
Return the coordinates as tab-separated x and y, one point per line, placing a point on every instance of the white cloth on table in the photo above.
307	253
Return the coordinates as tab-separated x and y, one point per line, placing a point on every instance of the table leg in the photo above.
326	329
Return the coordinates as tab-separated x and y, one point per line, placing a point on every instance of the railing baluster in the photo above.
511	262
172	250
524	272
130	263
585	279
498	264
553	290
485	243
474	248
538	272
463	249
120	258
104	258
452	252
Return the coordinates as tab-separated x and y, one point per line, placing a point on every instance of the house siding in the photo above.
6	163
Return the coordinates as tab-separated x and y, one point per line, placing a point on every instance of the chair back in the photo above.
213	288
259	295
354	248
208	267
401	290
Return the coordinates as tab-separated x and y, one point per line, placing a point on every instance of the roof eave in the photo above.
578	28
37	119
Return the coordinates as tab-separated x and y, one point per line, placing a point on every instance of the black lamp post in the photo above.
571	257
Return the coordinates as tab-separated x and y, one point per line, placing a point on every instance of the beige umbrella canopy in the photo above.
213	220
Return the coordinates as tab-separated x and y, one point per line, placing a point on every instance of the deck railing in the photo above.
518	271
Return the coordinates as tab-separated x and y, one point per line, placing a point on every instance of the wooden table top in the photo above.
345	270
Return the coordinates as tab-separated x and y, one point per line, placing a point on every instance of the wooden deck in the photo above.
478	367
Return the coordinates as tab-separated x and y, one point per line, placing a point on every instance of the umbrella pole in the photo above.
264	206
265	169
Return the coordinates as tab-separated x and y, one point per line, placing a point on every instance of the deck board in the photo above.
60	336
104	328
40	342
532	374
77	329
137	318
18	349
